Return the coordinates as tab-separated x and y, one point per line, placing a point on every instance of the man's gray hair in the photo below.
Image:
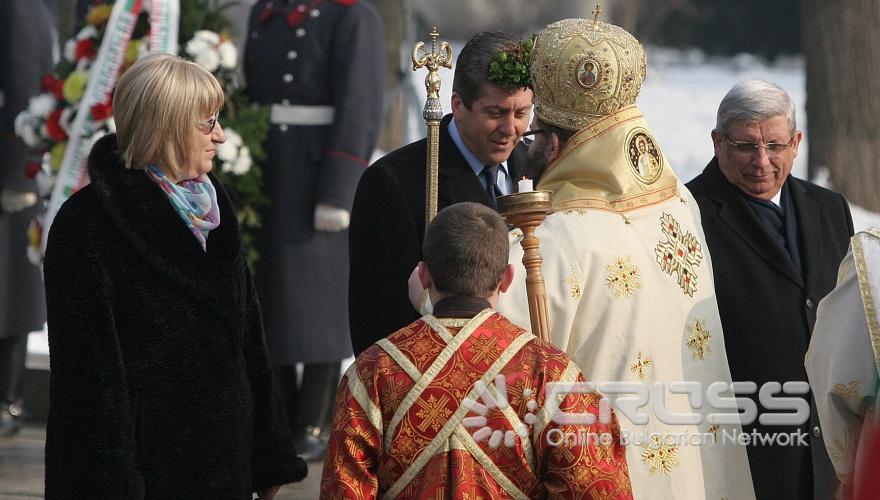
755	100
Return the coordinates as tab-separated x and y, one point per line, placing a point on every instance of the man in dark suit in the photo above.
478	141
776	243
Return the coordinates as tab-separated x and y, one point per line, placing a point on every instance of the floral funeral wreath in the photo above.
47	124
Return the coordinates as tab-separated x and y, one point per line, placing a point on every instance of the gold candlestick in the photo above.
526	211
432	113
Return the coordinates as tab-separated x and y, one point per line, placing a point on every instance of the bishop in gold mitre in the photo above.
627	273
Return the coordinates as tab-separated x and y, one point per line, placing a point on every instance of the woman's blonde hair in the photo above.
157	105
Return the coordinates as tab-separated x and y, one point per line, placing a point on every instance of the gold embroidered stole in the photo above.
615	164
360	394
452	430
864	272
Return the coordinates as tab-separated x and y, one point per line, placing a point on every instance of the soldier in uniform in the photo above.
25	56
320	66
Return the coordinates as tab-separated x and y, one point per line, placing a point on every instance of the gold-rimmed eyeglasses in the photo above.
748	148
207	126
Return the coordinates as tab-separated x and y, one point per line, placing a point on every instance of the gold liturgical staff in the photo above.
432	113
526	210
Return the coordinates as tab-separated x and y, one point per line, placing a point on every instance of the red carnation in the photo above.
31	169
53	85
53	126
85	48
102	111
46	83
58	89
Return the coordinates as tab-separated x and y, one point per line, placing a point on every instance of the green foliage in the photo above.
250	121
198	15
246	190
509	67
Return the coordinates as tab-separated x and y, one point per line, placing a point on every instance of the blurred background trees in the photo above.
842	52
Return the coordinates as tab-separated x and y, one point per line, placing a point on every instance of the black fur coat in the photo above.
160	382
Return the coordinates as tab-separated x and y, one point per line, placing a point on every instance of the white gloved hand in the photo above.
16	201
330	218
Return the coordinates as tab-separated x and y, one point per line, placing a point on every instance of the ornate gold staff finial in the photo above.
596	12
433	112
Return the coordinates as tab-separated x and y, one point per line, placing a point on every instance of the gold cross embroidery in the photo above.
433	412
698	340
642	362
484	348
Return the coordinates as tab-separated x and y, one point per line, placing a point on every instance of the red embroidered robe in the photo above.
439	409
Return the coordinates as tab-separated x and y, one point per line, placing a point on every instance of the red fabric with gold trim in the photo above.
356	467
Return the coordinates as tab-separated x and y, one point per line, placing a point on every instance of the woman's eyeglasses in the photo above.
208	125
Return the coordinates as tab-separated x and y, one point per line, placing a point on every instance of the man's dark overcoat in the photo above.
312	53
768	309
160	383
388	226
25	56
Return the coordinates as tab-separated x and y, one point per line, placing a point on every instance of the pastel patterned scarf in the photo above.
195	201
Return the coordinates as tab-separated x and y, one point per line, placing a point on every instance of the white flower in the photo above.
70	50
208	36
242	165
232	138
41	105
208	60
226	167
227	151
88	32
196	46
228	55
24	128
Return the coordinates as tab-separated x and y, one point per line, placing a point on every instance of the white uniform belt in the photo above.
281	114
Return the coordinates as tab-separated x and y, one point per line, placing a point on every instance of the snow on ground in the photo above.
680	98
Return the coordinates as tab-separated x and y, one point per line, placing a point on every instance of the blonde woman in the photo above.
160	384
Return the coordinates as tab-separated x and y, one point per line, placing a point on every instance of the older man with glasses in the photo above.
776	243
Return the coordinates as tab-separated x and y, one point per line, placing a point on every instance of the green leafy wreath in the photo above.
509	67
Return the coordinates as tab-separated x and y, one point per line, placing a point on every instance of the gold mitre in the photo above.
583	70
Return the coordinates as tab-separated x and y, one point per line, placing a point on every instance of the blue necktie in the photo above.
490	174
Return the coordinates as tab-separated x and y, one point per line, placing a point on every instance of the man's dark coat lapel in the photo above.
810	229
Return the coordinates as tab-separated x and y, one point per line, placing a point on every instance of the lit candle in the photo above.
525	185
